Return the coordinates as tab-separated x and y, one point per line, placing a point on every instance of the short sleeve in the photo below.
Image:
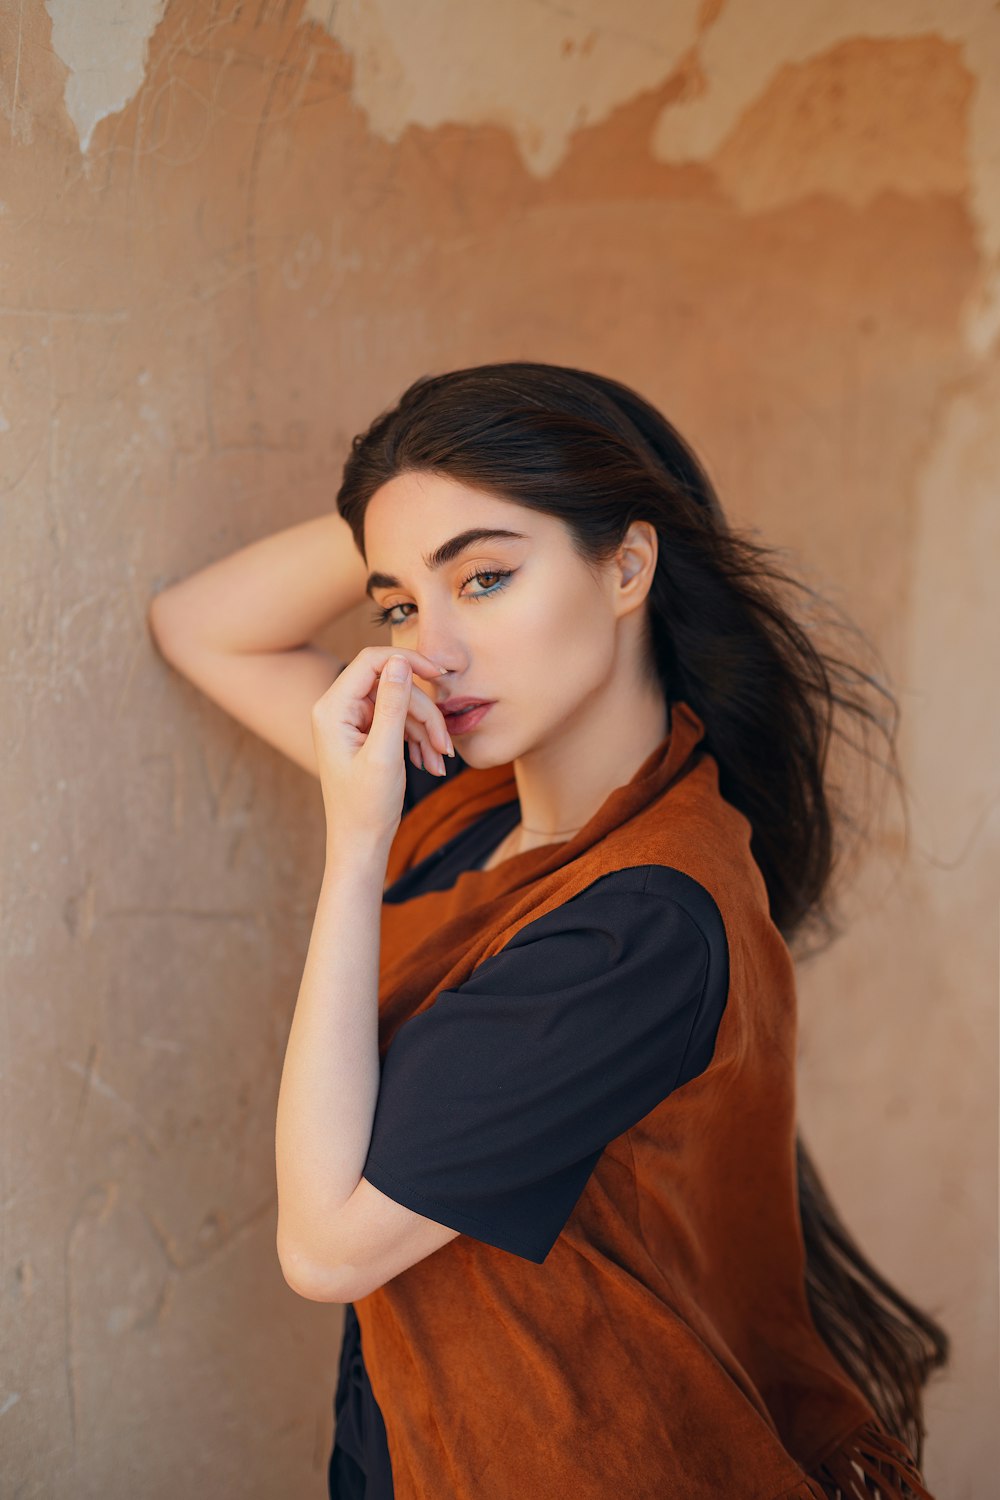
496	1102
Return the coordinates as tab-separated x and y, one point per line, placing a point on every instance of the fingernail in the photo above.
396	668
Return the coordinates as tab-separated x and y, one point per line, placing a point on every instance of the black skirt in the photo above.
359	1464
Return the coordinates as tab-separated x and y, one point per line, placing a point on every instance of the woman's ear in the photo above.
636	561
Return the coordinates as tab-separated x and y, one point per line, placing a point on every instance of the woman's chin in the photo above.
478	755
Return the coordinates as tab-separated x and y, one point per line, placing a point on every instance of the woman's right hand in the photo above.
425	732
360	726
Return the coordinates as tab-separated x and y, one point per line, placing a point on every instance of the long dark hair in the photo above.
725	637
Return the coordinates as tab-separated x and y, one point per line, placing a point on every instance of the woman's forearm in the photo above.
330	1078
274	594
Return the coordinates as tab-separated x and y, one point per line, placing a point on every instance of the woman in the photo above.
536	1126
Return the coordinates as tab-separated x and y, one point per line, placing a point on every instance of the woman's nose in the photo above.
439	648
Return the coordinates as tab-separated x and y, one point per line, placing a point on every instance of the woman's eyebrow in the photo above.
446	553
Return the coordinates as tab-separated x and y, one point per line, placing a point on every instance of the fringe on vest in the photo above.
887	1470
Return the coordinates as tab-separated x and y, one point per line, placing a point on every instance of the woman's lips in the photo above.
462	722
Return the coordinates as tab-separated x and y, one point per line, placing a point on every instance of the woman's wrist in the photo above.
356	860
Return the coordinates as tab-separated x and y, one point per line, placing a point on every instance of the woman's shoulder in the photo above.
636	893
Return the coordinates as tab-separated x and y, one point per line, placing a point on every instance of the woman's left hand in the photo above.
360	728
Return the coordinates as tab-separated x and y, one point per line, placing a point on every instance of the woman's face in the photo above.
540	642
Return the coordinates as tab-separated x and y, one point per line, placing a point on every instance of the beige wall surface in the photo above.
230	233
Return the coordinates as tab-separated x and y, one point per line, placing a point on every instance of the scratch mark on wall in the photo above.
168	913
94	1083
282	71
97	1203
160	1043
17	71
215	1234
81	314
90	1080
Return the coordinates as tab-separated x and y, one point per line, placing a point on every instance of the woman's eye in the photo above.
388	616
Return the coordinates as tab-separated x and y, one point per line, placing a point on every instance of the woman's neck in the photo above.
562	783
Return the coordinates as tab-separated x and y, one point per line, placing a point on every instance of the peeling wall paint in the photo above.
104	44
543	72
751	40
539	70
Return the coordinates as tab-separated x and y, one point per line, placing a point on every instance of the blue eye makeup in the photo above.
387	616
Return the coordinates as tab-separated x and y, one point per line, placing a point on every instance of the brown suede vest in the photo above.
664	1348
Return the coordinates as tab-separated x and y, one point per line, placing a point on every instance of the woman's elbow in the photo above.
313	1283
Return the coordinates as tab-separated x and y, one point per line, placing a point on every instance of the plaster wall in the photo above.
229	234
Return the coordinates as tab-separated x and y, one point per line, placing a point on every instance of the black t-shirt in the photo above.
496	1102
